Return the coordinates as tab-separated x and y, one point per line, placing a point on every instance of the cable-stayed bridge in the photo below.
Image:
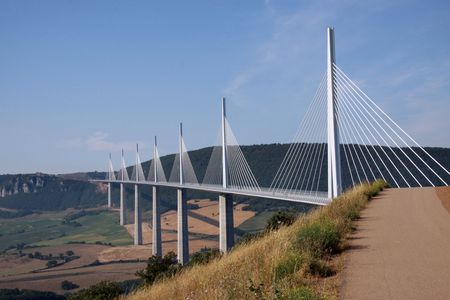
342	129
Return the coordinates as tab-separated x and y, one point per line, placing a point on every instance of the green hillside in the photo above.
57	192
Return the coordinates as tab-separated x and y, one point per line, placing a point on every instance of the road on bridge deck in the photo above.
401	248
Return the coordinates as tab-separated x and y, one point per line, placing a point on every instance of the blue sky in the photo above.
80	79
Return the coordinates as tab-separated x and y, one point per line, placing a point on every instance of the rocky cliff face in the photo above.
30	183
43	192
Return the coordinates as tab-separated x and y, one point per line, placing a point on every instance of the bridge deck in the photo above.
319	198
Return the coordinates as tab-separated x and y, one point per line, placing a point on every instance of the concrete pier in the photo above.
226	223
182	228
123	207
156	222
137	217
109	194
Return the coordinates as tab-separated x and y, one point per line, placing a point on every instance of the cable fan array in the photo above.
110	175
122	174
138	172
157	175
303	169
374	146
189	176
239	176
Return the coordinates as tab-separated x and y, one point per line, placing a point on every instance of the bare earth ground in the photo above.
203	230
443	193
84	277
401	248
17	272
23	272
14	265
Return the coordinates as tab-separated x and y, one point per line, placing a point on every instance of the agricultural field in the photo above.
102	249
42	230
39	251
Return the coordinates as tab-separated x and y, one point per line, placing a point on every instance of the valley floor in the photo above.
24	272
401	248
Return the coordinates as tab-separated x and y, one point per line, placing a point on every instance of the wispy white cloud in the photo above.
238	81
290	39
100	141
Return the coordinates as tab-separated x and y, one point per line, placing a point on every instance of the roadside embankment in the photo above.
293	262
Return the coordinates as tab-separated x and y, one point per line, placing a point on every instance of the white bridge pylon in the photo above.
228	168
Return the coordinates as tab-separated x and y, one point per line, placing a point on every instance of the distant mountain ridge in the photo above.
55	192
47	192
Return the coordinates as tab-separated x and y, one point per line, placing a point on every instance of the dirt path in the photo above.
401	249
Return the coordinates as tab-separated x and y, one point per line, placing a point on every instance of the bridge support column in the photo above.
182	228
123	220
334	158
109	194
226	224
156	222
137	217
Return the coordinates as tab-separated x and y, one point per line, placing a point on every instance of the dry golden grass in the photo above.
250	271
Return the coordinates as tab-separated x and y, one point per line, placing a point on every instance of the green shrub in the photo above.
352	213
376	187
129	286
279	219
319	237
287	266
100	291
302	293
159	267
204	256
320	267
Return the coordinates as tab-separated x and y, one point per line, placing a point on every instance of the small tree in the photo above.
69	253
68	285
37	255
52	263
20	246
159	267
279	219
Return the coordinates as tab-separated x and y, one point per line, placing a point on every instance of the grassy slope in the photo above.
290	263
103	227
